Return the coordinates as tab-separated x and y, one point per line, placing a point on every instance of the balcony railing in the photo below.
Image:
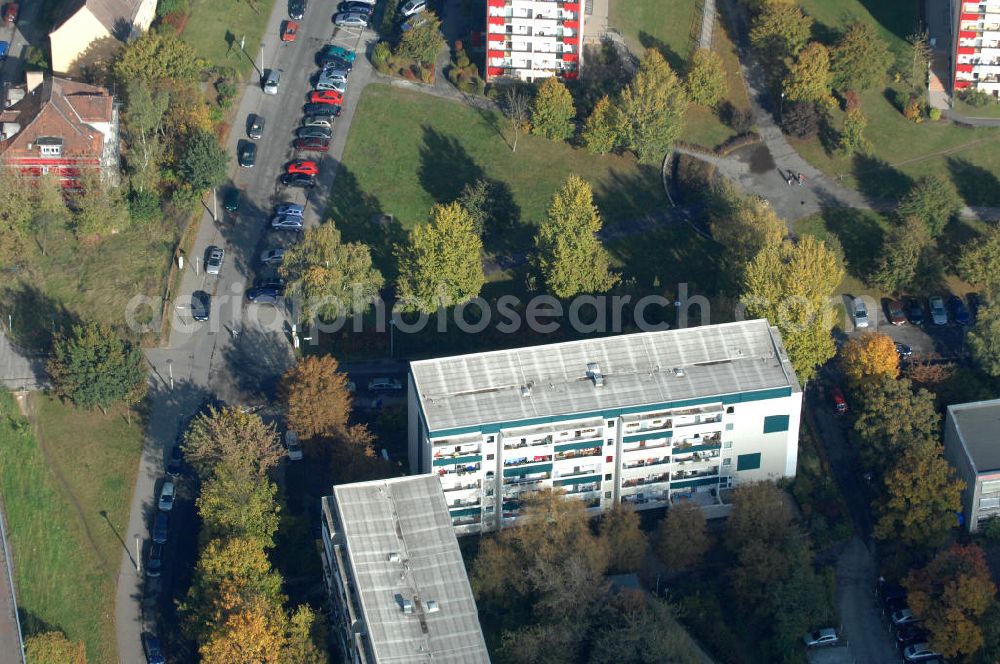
461	487
460	471
547	440
692	474
576	473
576	454
651	444
524	461
643	463
640	481
527	481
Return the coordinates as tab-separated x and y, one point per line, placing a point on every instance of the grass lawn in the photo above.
66	552
408	151
895	19
71	281
669	25
702	126
988	111
215	24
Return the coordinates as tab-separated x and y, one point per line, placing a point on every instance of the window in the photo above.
608	477
989	503
748	461
607	494
729	427
728	445
610	442
489	457
50	146
611	424
729	410
727	462
491	439
775	423
991	486
609	459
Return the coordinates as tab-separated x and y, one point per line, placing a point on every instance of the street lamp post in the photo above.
392	337
138	557
170	370
781	108
262	58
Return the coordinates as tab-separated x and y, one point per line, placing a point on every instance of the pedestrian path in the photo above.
19	370
707	24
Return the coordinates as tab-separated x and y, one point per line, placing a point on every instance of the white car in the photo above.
289	208
287	221
272	256
413	7
338	84
351	19
167	496
292	444
821	637
316	121
920	652
384	385
939	315
860	313
213	264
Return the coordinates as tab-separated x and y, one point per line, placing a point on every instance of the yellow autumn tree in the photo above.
253	634
870	356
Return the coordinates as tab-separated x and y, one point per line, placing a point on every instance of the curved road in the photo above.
240	352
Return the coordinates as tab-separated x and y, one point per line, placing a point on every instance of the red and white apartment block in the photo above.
533	39
976	61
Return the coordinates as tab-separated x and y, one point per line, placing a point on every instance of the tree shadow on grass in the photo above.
34	316
672	57
877	179
360	218
860	236
629	195
445	166
976	185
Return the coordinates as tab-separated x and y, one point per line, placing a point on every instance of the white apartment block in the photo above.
533	39
644	419
972	445
395	576
976	45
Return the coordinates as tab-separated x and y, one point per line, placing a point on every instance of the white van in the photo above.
272	77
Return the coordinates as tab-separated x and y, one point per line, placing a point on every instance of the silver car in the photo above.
290	209
316	121
287	221
331	84
860	313
333	71
939	315
350	20
213	264
272	256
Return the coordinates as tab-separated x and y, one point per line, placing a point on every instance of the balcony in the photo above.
644	463
707	477
578	453
461	486
531	472
523	461
470	469
642	481
653	444
524	442
645	498
459	452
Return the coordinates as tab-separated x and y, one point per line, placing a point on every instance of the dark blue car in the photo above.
959	312
154	654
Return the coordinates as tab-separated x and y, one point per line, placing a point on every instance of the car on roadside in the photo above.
894	312
350	20
325	97
332	50
201	305
287	222
413	7
161	528
289	31
317	121
313	132
304	166
383	384
903	350
915	311
333	71
821	637
292	446
860	313
907	635
331	59
939	315
338	84
296	9
151	646
272	256
271	81
298	180
903	616
355	6
959	312
175	465
10	12
262	296
277	283
920	652
290	208
154	562
255	126
839	403
231	200
246	152
213	263
332	110
167	495
312	144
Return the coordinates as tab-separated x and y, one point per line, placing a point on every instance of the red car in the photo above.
10	12
302	166
312	144
325	97
289	31
839	404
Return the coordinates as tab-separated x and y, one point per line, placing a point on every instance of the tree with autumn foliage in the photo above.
625	541
683	536
240	441
893	416
53	648
252	632
315	395
870	356
743	225
951	594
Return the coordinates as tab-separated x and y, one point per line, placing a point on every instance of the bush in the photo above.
934	114
900	99
739	120
167	7
914	111
427	74
800	119
976	97
143	206
34	59
990	528
227	91
380	57
462	60
851	100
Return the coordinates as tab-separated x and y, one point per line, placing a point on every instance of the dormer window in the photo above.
50	146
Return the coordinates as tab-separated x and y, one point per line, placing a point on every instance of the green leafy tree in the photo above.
904	246
789	284
743	226
933	200
683	537
984	340
920	57
53	648
15	213
808	78
228	439
952	593
204	163
423	42
316	396
626	543
600	133
330	278
780	31
552	112
860	59
706	79
441	266
491	206
570	255
154	56
99	208
891	417
143	123
852	136
979	261
634	630
93	366
232	505
651	109
305	638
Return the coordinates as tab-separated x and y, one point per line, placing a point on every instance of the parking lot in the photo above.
944	341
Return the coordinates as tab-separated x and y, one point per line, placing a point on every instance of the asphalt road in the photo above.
20	36
239	353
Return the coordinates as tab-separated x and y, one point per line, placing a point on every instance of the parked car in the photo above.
10	12
292	445
903	350
383	384
262	296
201	305
325	97
213	264
889	593
247	153
290	208
231	201
839	403
903	616
317	121
821	637
296	9
332	110
959	312
272	256
323	60
270	81
154	562
298	180
354	6
324	83
331	70
907	635
289	31
151	645
4	49
161	528
920	652
313	132
287	222
915	311
176	463
303	166
350	20
255	126
939	315
277	283
895	312
312	144
860	313
167	494
332	50
413	7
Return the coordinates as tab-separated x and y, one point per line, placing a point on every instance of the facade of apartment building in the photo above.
395	576
972	446
60	127
976	45
533	39
646	419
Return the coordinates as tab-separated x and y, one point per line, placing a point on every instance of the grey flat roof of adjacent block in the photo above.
636	369
978	426
408	516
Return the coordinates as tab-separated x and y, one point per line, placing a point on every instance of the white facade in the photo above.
977	45
972	446
533	39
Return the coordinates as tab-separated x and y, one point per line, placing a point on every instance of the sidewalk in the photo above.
20	371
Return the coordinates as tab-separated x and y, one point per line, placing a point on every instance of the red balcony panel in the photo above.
570	57
571	40
966	50
571	6
494	53
571	74
964	68
496	3
571	23
967	34
961	85
497	38
497	20
495	71
970	17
